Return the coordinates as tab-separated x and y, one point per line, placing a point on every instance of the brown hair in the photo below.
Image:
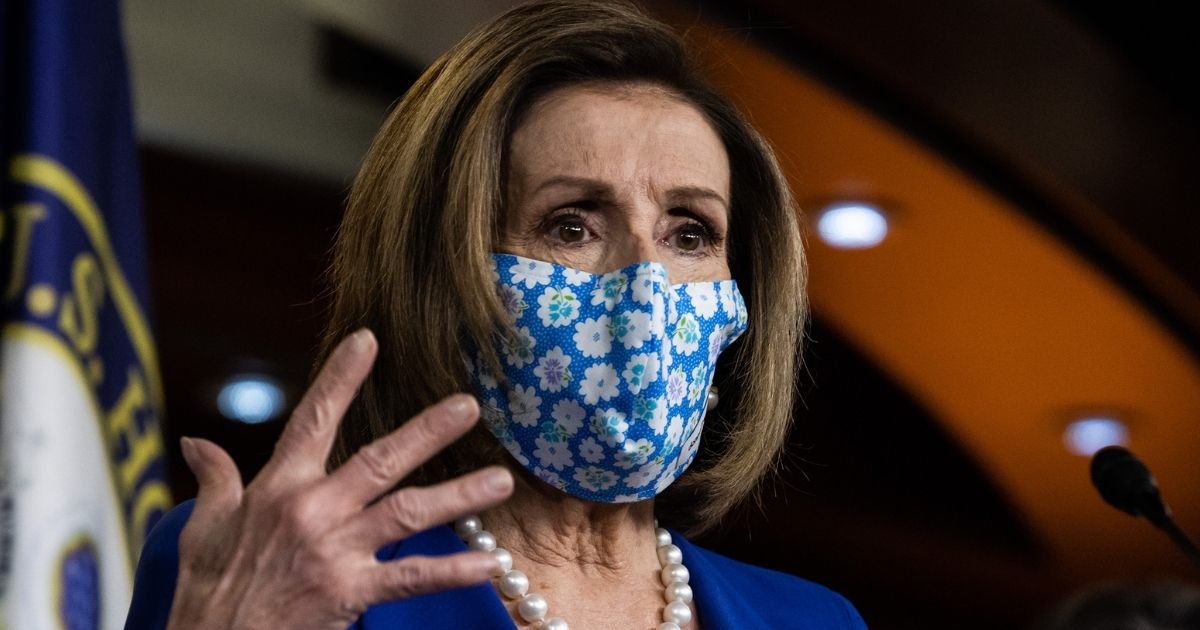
412	254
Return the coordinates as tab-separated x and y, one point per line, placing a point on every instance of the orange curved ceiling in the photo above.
1001	330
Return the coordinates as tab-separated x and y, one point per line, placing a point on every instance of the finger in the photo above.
378	466
411	510
218	477
417	575
308	436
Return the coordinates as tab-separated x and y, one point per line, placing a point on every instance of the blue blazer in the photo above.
730	595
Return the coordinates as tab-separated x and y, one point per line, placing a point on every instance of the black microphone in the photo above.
1126	484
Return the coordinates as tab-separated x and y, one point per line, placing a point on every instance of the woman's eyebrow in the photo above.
689	193
598	188
584	185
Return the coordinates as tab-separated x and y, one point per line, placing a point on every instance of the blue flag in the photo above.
81	471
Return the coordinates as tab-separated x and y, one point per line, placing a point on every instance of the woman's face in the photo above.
603	176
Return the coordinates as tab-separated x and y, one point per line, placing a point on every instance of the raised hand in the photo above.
295	548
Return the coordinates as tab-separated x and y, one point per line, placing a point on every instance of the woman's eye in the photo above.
690	239
570	232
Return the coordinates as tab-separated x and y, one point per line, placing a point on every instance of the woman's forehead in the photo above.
623	135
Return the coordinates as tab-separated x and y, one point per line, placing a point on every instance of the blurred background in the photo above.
1005	270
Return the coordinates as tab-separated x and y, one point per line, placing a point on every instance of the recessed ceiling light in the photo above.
1087	435
852	225
250	398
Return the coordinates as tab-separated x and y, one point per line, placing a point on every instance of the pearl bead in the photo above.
675	573
481	541
678	590
504	558
533	607
467	525
514	584
678	612
669	554
713	400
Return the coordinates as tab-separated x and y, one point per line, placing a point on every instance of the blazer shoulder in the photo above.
157	570
774	594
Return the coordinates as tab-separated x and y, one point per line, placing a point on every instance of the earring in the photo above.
713	399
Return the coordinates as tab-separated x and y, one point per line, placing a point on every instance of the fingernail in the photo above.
188	447
360	340
488	563
461	407
499	482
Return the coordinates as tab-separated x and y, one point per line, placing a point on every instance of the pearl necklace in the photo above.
533	607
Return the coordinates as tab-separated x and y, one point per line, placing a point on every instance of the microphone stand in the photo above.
1125	483
1180	539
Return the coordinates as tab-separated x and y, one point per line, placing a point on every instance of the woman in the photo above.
563	219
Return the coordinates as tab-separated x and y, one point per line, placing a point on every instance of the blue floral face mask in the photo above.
607	378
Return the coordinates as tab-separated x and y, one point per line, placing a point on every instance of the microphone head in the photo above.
1124	481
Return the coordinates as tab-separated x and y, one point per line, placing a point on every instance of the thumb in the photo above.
219	479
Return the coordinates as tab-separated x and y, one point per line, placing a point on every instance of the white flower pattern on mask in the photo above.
591	451
686	337
658	421
631	328
658	315
593	338
552	453
645	283
482	373
634	453
640	371
610	426
518	348
575	277
605	376
558	307
610	289
643	476
675	429
549	476
525	405
698	385
569	415
512	300
531	272
676	387
599	383
716	341
553	370
729	304
594	479
704	299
